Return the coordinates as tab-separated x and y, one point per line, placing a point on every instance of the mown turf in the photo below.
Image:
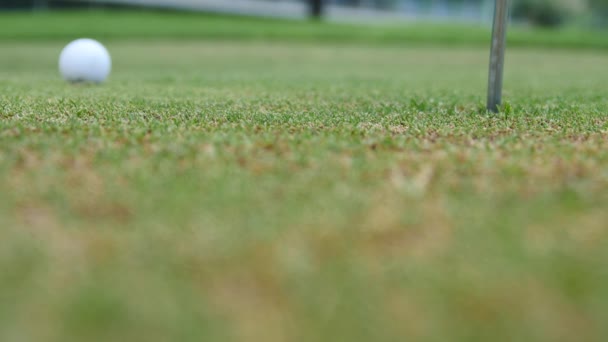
280	192
152	25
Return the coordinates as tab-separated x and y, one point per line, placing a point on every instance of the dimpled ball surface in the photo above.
85	60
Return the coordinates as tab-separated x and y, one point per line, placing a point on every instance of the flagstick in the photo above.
497	55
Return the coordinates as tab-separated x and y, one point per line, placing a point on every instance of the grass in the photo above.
152	25
221	190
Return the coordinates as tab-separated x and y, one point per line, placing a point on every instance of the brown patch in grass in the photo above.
43	226
104	211
398	129
37	216
387	231
546	311
251	296
408	317
587	230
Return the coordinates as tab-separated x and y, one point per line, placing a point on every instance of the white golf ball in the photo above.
85	60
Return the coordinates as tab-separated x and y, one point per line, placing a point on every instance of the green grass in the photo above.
125	25
221	190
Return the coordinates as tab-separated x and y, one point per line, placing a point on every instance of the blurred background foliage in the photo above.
554	13
539	13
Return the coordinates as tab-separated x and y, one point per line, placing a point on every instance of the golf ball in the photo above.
85	60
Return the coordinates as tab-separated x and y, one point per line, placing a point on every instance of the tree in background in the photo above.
316	8
599	9
548	13
40	4
601	5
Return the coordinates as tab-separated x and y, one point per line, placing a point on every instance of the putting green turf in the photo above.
277	191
